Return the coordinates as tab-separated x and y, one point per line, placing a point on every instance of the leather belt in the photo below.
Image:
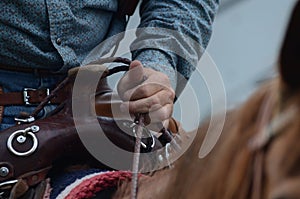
37	71
29	97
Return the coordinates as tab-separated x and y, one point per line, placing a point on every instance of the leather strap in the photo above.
1	107
174	125
28	97
19	189
28	180
28	70
108	105
35	177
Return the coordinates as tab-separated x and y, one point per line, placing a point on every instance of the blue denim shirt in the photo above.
58	34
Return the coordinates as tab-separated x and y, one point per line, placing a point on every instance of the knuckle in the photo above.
152	103
164	77
171	94
126	95
132	107
155	100
148	104
143	91
166	80
164	115
122	96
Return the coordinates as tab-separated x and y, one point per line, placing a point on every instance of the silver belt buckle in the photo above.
26	97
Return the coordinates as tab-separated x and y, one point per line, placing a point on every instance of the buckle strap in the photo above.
19	186
29	97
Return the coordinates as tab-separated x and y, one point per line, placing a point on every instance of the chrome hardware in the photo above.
26	97
35	128
26	120
146	132
22	136
160	158
8	184
1	195
4	171
21	139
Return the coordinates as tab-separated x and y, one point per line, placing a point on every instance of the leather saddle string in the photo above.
49	97
139	120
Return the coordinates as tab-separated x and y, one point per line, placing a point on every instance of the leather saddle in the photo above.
30	149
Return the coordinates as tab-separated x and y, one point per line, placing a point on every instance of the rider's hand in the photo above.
145	90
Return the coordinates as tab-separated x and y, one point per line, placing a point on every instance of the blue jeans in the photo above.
15	82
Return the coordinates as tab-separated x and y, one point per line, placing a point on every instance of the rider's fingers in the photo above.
132	78
151	103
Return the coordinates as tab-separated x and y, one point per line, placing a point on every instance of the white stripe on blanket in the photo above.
71	186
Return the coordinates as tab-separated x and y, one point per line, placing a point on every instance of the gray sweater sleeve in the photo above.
173	34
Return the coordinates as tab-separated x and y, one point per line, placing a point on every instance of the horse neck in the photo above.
227	171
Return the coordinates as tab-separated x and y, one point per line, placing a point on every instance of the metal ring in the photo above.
153	140
133	126
145	130
20	132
